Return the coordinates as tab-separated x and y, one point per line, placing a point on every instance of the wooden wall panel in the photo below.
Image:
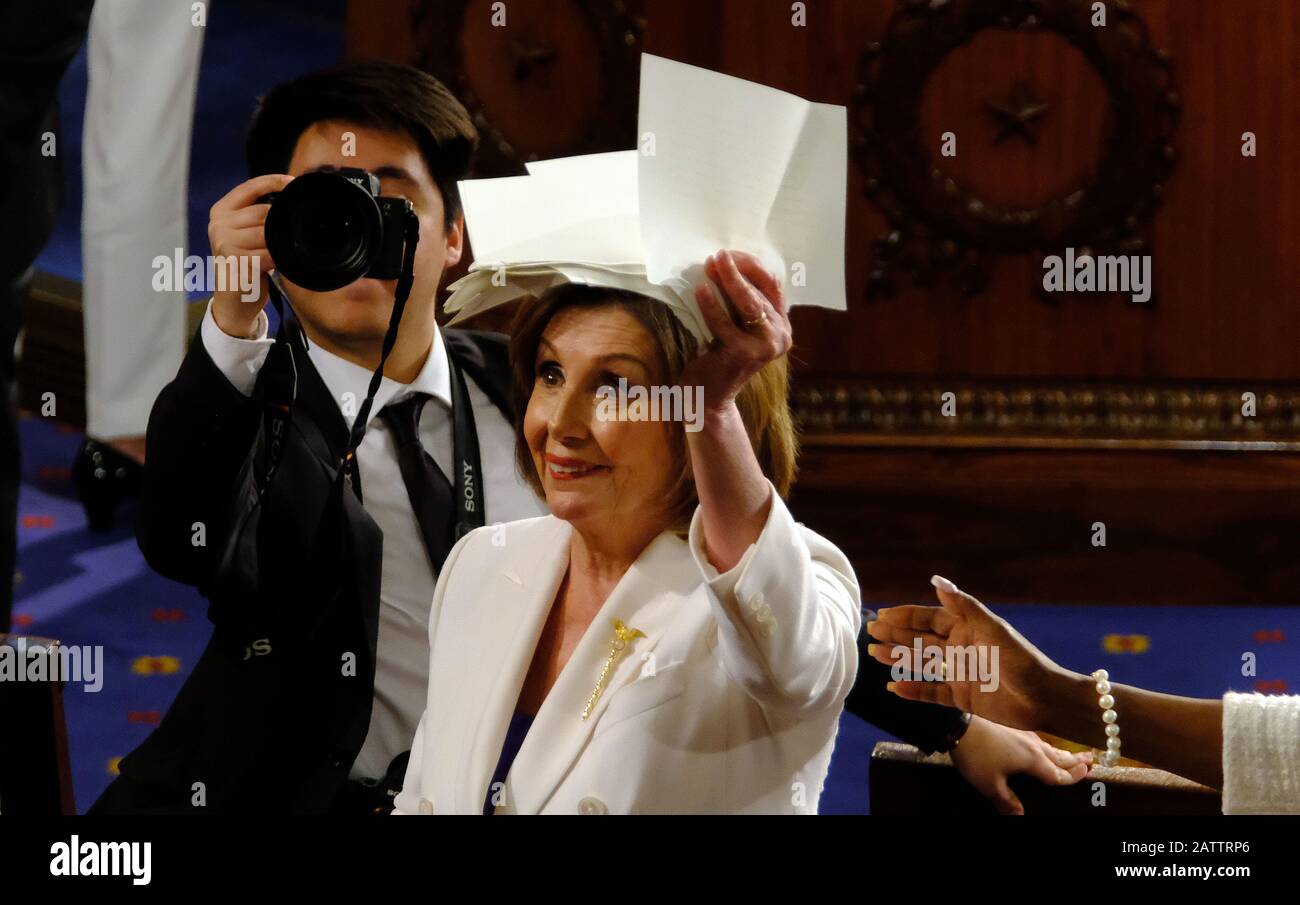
1018	525
1225	241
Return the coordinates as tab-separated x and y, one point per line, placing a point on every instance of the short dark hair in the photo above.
390	97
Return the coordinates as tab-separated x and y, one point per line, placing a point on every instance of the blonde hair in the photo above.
763	402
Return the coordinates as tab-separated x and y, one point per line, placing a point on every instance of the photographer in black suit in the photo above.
309	692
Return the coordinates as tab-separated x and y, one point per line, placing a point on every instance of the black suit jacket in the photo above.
277	708
37	42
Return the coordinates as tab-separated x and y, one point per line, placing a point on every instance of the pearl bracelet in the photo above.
1109	717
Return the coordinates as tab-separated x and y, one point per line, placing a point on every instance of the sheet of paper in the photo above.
582	208
740	165
734	165
613	172
485	288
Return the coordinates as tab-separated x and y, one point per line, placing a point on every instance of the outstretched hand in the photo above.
1022	682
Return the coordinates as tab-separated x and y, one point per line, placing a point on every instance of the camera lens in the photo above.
323	231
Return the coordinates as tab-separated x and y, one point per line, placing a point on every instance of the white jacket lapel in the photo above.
502	633
647	598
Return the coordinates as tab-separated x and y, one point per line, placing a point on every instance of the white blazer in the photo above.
729	704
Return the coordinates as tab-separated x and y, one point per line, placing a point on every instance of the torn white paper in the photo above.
739	165
734	165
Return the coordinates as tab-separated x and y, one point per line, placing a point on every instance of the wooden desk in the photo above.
35	775
906	782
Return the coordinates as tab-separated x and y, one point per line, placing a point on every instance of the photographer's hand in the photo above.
236	228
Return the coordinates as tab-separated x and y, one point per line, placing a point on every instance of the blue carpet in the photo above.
85	588
95	589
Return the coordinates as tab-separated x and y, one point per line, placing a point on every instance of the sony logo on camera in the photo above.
362	179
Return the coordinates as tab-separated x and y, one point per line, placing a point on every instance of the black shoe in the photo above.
104	477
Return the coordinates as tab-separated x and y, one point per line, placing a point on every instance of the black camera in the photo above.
326	229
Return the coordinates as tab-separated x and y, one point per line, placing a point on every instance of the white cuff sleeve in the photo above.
239	359
1261	754
722	583
788	614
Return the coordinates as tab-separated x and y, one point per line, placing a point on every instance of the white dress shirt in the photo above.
407	580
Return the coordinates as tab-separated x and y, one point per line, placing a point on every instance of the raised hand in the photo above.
751	327
750	321
237	229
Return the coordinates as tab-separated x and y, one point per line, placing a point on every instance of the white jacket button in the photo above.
426	806
761	613
591	805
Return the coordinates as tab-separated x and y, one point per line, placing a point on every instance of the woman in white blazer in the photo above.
669	639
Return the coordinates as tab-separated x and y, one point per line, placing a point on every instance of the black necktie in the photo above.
426	486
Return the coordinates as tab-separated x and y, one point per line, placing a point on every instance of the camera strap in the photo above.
279	392
348	465
282	389
238	568
470	492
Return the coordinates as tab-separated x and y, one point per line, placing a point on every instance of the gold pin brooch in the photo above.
622	636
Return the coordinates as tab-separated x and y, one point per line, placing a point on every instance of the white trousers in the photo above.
143	60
